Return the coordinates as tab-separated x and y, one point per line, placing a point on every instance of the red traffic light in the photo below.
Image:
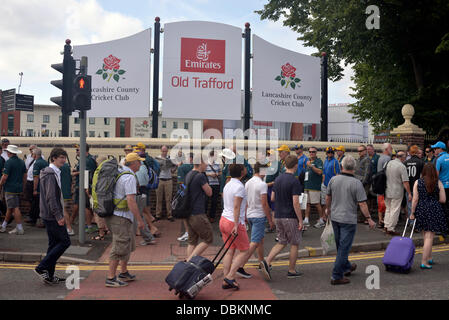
81	83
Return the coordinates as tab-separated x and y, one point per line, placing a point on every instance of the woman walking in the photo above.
428	195
233	222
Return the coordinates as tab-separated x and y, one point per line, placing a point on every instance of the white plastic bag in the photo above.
328	238
303	201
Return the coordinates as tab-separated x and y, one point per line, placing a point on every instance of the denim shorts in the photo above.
257	228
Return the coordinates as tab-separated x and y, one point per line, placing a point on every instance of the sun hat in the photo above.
13	149
284	147
227	153
130	157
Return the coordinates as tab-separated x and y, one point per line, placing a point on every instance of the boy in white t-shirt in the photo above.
258	211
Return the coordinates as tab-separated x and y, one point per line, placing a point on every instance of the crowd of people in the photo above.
261	198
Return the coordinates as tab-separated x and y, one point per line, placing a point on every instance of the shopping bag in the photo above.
303	201
328	238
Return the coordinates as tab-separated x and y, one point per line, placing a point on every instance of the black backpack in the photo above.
181	204
379	182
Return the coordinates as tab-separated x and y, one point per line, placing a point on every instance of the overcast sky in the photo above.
33	33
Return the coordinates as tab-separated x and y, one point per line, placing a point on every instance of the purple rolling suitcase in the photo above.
400	253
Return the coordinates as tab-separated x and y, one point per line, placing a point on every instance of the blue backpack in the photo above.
153	179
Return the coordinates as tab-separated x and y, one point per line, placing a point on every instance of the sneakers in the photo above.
43	275
147	243
126	277
320	224
241	272
57	280
2	229
265	269
306	223
70	232
184	237
17	231
292	275
91	229
115	283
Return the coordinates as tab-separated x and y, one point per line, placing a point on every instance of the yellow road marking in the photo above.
303	261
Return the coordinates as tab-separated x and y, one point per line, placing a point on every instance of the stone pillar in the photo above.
408	133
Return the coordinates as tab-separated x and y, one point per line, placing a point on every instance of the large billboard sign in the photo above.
202	67
120	71
286	84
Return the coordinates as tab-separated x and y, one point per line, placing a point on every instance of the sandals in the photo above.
230	284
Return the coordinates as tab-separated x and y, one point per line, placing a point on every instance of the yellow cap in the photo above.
284	147
140	145
393	152
133	157
340	148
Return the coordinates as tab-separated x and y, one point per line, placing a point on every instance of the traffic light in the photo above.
67	68
81	92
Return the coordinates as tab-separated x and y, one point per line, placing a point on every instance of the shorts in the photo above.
12	200
287	231
241	243
145	191
77	198
199	227
323	194
313	196
257	229
123	238
68	203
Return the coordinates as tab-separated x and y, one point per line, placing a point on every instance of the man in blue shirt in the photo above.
442	165
302	161
331	169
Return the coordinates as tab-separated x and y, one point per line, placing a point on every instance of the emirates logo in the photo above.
202	53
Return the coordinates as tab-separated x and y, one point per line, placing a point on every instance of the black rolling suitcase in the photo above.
188	278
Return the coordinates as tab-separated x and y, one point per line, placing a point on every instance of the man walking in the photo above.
165	188
198	226
121	222
182	172
363	171
38	165
344	194
288	218
397	180
213	173
52	213
312	184
442	166
13	180
374	157
414	167
331	169
387	150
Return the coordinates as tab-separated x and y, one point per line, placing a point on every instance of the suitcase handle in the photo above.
226	251
406	225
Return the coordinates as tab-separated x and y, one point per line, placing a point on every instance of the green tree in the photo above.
406	60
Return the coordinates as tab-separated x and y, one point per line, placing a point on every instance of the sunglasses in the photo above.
360	150
77	149
312	151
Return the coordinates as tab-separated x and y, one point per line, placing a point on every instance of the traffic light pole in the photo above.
82	192
66	98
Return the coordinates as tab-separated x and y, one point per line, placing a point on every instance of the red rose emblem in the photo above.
111	63
288	71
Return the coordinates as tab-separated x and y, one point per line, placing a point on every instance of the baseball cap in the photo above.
330	149
133	157
140	145
299	147
284	147
4	140
439	144
340	148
